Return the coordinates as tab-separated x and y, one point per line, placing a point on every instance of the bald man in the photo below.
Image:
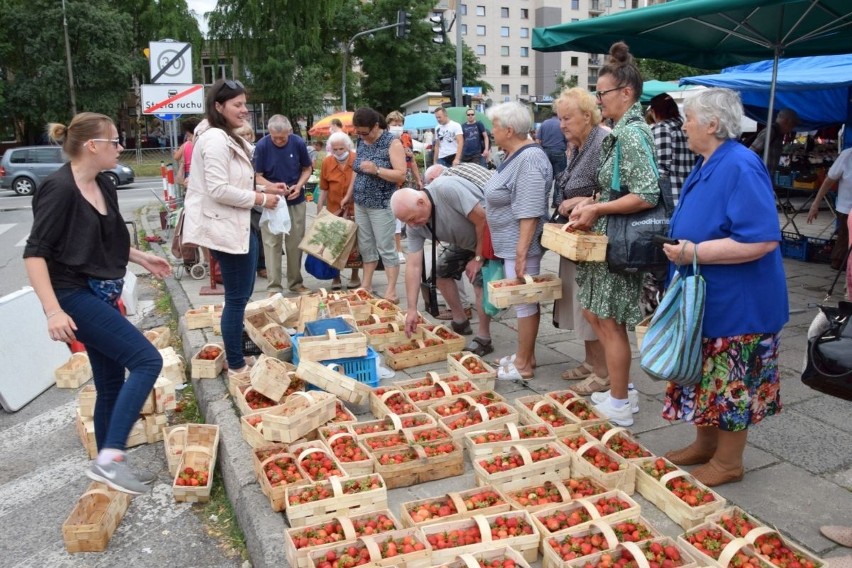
459	221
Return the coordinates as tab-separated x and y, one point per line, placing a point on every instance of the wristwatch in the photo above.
477	258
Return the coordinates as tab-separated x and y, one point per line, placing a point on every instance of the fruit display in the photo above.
581	409
708	540
209	353
192	477
583	487
418	463
283	470
478	414
355	554
386	441
482	500
324	490
544	494
429	434
471	363
675	492
689	492
550	414
507	526
347	450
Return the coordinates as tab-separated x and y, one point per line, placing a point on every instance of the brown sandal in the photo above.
577	373
591	384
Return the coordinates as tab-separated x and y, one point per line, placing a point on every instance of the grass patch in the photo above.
144	245
147	170
163	303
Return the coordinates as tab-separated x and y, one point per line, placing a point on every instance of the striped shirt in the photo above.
473	173
519	190
674	158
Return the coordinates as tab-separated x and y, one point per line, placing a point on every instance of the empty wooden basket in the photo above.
94	519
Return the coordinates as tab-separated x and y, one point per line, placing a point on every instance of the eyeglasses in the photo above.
361	132
234	85
471	114
599	94
114	141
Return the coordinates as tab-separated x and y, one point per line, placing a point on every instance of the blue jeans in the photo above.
238	274
558	161
113	344
447	161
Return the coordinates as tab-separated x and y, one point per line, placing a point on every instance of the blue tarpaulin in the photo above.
819	89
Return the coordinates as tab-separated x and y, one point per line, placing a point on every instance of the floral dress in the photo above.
606	294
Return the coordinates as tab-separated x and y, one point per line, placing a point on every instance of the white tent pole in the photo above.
767	137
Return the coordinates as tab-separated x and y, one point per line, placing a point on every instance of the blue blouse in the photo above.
370	190
731	196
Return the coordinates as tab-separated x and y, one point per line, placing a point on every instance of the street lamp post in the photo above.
68	61
346	59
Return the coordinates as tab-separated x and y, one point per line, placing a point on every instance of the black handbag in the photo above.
631	247
828	367
428	288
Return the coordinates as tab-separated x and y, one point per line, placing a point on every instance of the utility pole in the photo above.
459	78
68	60
346	59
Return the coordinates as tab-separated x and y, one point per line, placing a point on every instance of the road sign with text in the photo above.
171	62
173	99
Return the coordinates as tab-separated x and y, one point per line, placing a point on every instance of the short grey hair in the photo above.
340	136
512	115
279	123
433	172
723	106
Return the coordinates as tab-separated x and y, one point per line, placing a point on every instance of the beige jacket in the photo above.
220	193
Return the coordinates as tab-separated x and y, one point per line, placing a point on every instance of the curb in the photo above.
263	528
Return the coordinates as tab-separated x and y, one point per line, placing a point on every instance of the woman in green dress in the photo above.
611	300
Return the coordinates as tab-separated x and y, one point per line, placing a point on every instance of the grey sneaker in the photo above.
118	476
632	396
145	476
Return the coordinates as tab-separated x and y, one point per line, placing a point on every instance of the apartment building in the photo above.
500	33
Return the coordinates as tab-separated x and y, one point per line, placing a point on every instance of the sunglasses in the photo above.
114	141
471	114
234	85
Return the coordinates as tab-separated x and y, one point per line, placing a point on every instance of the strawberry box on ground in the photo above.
537	409
342	415
390	423
504	557
536	496
208	362
419	463
194	478
612	506
270	377
497	440
199	318
454	506
352	455
94	518
483	532
473	367
428	380
595	536
706	542
86	401
386	441
174	366
415	352
158	336
251	427
279	471
300	414
618	440
386	400
380	335
661	552
424	397
426	434
479	416
462	402
299	542
331	378
521	463
405	548
591	458
684	499
324	500
249	400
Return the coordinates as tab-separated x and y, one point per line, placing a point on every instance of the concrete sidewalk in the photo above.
798	463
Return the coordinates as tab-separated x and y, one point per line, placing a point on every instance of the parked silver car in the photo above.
23	169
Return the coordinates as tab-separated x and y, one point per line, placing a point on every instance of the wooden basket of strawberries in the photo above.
537	409
352	455
270	377
479	416
274	341
199	318
299	542
481	533
522	463
415	352
500	439
384	401
472	367
453	340
424	397
380	335
324	500
618	440
391	422
593	537
419	463
655	553
610	506
177	438
300	414
526	290
454	506
593	459
279	471
194	478
158	336
208	362
687	501
330	378
504	557
574	244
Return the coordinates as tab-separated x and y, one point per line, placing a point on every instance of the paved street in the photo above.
799	463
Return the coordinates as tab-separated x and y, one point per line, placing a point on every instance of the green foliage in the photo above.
563	81
667	71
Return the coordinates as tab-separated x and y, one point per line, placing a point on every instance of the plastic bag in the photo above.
492	270
278	219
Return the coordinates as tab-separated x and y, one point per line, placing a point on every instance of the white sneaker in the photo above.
401	257
622	416
632	396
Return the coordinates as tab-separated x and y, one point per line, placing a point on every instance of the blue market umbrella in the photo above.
420	121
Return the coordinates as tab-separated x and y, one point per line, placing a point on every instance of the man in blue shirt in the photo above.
282	166
476	142
552	141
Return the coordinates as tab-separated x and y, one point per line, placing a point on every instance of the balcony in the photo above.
595	61
596	7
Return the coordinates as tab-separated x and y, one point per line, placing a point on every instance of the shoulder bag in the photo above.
828	367
631	246
671	348
428	288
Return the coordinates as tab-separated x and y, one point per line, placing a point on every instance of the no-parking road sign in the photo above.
173	99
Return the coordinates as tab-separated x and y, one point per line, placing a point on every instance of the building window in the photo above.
622	3
480	30
464	29
525	71
525	89
525	14
214	70
464	9
525	32
575	61
480	50
504	89
480	10
504	69
504	31
504	50
575	4
504	12
525	52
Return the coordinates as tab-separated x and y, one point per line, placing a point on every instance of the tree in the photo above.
563	81
37	94
667	71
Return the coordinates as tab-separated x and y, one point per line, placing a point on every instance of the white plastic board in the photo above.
28	357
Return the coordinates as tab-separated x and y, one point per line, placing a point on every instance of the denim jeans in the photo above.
113	345
447	161
238	274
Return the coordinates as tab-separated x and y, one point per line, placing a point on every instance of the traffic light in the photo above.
438	29
448	89
467	101
403	24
